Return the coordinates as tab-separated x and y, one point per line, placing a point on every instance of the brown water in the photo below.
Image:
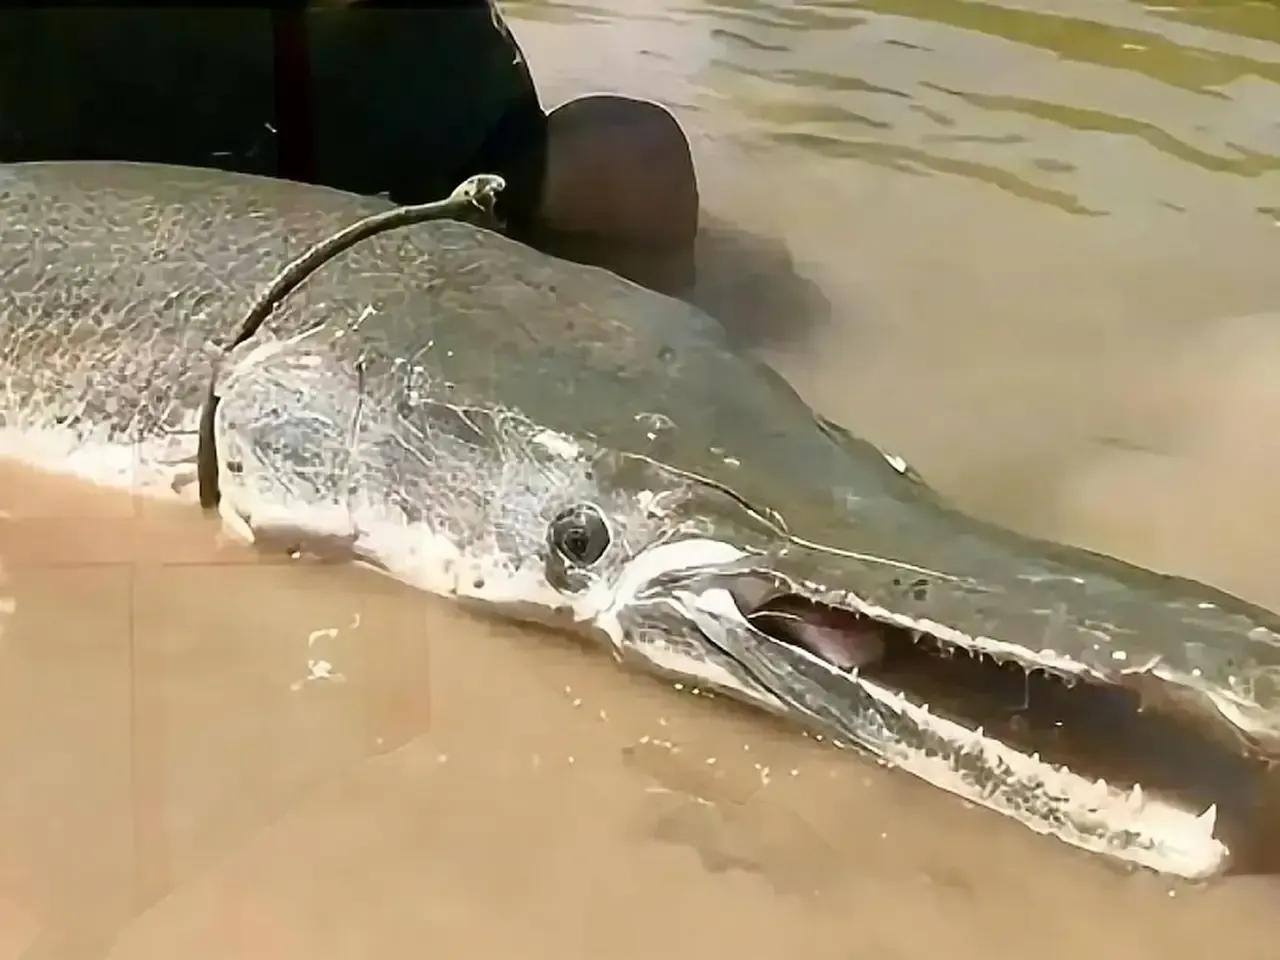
1035	249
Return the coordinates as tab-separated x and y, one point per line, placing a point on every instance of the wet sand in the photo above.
212	754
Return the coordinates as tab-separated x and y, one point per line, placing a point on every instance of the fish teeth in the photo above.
1209	819
1098	795
1135	797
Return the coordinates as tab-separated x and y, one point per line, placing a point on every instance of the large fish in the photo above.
488	423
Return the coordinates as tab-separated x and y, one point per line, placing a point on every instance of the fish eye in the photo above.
580	534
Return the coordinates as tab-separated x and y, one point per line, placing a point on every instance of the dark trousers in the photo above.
404	99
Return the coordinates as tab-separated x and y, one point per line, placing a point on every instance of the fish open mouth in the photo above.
1121	768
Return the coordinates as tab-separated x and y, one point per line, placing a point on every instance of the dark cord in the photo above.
474	200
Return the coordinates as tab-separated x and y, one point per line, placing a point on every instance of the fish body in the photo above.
489	423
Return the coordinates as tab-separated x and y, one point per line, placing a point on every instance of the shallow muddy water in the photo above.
1031	248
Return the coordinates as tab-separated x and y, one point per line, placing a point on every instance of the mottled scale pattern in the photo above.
112	301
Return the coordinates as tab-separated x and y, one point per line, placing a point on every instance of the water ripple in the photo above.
906	159
1255	19
1250	163
1087	41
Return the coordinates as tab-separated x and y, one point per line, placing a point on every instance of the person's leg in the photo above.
408	94
94	82
373	96
402	97
619	167
618	189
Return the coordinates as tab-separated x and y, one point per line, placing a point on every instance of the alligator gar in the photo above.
545	439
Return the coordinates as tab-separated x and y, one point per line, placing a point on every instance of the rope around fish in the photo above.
472	201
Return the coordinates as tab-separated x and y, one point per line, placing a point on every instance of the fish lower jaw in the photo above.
1053	800
992	715
1131	825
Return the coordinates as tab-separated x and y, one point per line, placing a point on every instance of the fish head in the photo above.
695	516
